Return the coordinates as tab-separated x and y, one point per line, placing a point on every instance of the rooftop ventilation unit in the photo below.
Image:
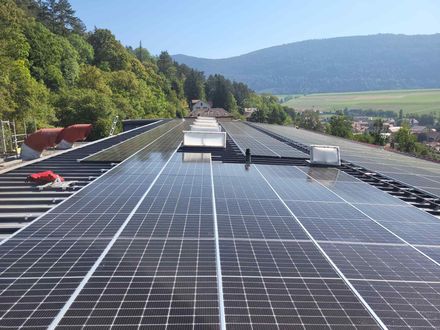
206	119
205	132
325	155
205	123
200	128
204	139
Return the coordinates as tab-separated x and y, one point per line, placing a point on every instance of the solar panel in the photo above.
431	251
347	230
272	303
173	241
41	257
415	172
404	304
383	256
251	259
260	144
168	250
382	262
124	149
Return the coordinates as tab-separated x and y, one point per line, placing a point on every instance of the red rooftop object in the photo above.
45	138
35	143
72	134
44	177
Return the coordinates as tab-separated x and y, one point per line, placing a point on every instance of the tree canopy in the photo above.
54	72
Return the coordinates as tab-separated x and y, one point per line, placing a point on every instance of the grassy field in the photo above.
411	101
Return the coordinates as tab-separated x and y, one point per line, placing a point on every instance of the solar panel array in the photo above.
45	263
260	144
170	240
412	171
22	202
124	149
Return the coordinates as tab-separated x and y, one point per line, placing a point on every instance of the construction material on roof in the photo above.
72	134
44	177
49	179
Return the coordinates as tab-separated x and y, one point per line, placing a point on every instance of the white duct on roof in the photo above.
205	123
206	118
197	128
27	153
325	155
204	139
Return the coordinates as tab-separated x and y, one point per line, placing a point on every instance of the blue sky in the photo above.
224	28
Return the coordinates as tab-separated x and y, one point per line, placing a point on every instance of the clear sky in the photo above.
224	28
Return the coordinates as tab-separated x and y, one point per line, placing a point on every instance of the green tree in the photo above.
165	63
86	106
22	96
218	90
377	131
59	17
231	105
82	47
340	125
405	139
52	58
142	54
309	119
110	55
194	86
241	93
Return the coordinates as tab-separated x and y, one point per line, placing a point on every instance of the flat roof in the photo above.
171	239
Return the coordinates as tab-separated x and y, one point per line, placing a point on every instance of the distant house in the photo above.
211	112
434	145
249	111
417	129
360	126
413	122
393	129
433	136
199	105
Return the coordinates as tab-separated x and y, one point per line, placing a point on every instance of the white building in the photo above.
199	105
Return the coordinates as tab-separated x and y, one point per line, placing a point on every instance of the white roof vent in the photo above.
205	132
325	155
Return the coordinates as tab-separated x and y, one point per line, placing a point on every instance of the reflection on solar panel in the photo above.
169	240
412	171
126	148
260	144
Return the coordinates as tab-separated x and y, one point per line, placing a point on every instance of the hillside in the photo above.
422	101
53	72
359	63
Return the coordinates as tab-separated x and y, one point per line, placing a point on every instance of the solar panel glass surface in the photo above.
419	173
173	241
259	143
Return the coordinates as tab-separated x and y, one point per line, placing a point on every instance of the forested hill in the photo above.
358	63
55	73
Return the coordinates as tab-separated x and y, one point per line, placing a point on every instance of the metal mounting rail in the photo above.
409	194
